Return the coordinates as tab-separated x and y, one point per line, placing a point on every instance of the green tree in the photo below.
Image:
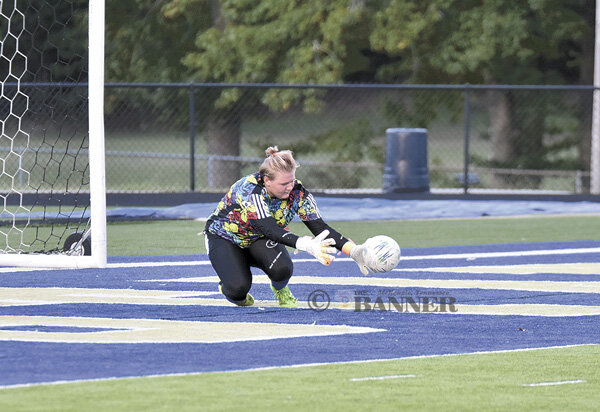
308	41
315	41
146	41
489	42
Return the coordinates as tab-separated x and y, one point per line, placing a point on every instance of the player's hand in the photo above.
320	247
357	253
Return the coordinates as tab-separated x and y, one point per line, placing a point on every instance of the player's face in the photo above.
281	186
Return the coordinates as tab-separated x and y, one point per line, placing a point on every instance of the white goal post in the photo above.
52	160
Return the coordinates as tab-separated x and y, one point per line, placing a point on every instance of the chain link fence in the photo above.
202	137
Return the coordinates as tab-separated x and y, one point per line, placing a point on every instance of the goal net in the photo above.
52	194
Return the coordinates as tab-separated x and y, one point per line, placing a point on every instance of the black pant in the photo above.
233	263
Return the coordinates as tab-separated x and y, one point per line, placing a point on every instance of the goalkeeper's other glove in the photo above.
357	253
319	247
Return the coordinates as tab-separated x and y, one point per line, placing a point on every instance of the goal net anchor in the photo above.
78	244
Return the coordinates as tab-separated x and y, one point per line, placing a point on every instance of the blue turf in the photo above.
405	335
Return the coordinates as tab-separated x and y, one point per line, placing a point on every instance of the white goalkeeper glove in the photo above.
357	253
319	247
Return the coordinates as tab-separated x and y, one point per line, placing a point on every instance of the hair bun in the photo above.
271	150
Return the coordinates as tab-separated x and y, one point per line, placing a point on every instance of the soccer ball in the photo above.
382	253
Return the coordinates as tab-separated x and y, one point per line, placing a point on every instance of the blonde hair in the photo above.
277	162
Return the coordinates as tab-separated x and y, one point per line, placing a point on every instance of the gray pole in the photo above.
467	129
192	126
595	157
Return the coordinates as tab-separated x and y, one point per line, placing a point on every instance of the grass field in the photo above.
181	237
482	382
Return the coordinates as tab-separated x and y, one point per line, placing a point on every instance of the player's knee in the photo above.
282	272
236	290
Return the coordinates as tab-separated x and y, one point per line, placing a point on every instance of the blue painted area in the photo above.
360	209
377	209
334	209
405	334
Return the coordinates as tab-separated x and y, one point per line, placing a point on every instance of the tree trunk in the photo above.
217	16
223	130
528	143
501	133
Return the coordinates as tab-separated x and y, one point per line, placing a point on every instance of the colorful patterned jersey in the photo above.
247	211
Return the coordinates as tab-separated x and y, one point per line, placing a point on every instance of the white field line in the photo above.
381	378
303	365
554	383
468	256
506	254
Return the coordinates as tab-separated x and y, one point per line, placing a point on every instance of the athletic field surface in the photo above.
481	327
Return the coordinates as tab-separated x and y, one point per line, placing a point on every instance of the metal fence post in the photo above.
126	119
210	170
467	129
192	122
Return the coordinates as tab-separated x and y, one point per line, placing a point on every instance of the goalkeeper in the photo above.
248	228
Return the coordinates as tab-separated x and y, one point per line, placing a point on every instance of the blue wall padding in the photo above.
334	209
384	209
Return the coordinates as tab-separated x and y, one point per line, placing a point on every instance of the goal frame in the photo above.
97	259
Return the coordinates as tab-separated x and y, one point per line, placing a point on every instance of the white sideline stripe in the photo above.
345	259
506	254
423	257
381	378
302	365
589	268
554	383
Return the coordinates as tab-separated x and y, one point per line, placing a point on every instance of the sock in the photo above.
279	285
